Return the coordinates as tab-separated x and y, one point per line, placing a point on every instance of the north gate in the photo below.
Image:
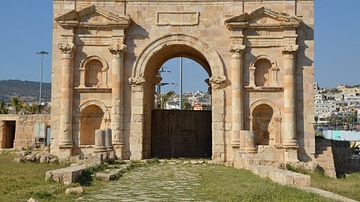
258	55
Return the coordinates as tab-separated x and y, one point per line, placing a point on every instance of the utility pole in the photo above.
180	104
42	53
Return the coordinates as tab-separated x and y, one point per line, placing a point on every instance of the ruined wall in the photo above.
24	130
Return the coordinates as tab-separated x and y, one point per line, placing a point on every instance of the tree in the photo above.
33	108
186	105
316	118
3	108
349	119
17	104
165	99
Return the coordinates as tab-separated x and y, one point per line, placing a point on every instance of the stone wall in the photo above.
24	128
335	158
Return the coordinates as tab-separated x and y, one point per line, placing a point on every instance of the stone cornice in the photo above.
73	18
245	20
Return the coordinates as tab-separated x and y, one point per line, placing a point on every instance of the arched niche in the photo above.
264	71
266	122
93	72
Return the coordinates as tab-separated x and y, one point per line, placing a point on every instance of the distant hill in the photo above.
25	90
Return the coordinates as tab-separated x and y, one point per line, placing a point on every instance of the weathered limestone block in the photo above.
283	177
74	190
65	175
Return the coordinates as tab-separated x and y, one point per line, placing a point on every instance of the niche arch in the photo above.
94	72
264	72
265	120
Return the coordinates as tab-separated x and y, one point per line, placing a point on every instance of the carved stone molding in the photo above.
118	50
217	82
136	81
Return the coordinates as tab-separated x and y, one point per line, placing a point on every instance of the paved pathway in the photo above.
165	182
150	183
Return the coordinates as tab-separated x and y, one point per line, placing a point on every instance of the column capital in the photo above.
291	49
118	51
67	48
237	51
136	81
217	82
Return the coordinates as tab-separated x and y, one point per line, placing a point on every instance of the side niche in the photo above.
93	75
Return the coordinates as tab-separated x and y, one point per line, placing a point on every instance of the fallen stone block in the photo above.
74	190
65	175
109	176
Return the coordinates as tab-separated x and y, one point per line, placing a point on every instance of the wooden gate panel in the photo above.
182	133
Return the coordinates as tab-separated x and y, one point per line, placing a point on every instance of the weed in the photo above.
153	161
41	195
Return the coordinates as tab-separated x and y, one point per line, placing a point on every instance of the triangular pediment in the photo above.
263	16
92	16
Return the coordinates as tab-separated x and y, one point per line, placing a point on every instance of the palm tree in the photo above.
16	103
349	119
165	99
33	108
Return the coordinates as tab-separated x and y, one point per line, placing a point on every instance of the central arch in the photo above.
144	77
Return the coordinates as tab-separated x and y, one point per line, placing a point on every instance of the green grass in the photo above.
348	187
221	183
21	181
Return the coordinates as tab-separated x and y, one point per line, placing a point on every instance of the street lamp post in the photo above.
42	53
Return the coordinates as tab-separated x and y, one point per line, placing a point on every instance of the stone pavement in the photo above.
171	181
150	183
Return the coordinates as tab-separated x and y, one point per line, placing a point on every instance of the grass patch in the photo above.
21	181
219	183
348	187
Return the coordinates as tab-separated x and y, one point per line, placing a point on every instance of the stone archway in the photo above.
144	78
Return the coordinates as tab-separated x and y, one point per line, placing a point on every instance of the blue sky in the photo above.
27	29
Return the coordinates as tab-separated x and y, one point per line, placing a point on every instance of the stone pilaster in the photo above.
67	57
237	66
137	117
290	138
117	113
218	84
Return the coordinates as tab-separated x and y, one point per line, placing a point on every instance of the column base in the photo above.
290	153
65	143
118	150
64	154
